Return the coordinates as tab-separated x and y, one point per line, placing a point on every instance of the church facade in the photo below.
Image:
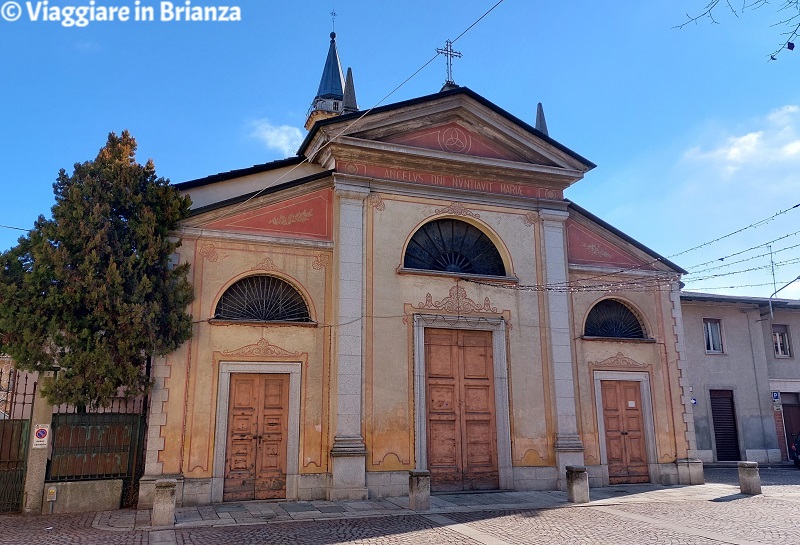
413	292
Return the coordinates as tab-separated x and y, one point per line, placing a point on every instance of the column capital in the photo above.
554	215
350	191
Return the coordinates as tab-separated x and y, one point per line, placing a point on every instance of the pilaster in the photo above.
348	479
568	446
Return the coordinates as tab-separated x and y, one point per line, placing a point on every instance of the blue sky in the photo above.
695	135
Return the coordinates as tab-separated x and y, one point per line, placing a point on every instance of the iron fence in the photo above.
105	443
17	392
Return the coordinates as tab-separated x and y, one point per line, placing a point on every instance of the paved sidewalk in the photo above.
711	514
264	512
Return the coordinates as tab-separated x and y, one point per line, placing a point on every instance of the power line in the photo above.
11	227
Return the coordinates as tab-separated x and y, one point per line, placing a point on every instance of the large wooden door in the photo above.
255	457
626	446
462	435
723	416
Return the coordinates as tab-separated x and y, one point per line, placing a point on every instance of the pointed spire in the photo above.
330	94
350	104
332	83
541	123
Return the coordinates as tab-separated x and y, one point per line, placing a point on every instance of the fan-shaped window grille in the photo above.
262	298
453	246
610	318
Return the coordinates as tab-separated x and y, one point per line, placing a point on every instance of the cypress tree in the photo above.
92	292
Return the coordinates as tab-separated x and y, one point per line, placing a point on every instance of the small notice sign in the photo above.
41	435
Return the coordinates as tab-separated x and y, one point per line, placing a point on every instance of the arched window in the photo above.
610	318
454	246
262	298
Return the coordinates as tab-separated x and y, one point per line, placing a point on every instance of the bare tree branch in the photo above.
790	23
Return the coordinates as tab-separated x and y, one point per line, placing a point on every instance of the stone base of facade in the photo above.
387	484
348	478
763	456
83	496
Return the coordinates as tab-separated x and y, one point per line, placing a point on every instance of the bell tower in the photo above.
333	96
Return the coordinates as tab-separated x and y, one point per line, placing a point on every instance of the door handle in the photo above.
624	433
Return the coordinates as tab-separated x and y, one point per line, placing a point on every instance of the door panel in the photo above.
626	447
255	465
462	437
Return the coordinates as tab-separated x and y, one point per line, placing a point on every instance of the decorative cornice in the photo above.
620	360
260	349
457	301
458	209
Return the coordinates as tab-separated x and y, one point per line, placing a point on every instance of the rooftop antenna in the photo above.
450	54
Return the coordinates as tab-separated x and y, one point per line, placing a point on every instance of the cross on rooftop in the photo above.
450	54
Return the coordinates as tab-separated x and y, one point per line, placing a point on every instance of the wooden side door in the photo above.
479	443
444	410
461	434
626	447
255	455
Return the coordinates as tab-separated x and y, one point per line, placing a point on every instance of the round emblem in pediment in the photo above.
455	140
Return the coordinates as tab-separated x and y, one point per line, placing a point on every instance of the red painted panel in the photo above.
587	248
307	216
454	138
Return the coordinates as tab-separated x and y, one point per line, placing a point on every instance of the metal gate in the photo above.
105	443
17	391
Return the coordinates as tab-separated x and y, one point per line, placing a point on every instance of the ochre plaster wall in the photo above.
394	295
194	368
658	357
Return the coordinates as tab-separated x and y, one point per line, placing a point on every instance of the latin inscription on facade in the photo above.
446	180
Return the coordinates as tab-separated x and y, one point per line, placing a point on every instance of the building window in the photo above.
780	338
262	298
453	246
713	334
610	318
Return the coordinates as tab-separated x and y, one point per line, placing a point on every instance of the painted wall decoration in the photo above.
307	216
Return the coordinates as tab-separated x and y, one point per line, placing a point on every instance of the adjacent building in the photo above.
744	375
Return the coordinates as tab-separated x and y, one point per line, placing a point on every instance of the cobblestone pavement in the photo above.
710	514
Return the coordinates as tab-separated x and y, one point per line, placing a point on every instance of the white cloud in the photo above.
771	141
283	138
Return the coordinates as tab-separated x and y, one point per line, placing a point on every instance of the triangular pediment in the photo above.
454	137
454	133
590	246
308	216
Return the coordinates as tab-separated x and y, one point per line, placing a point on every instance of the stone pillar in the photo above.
690	471
577	484
749	478
42	414
569	450
348	479
419	490
156	418
164	503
